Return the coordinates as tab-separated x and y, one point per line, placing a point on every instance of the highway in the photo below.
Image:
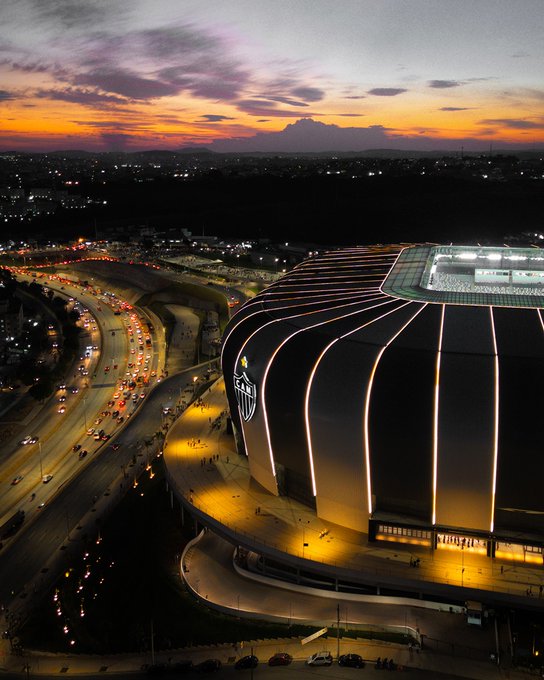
86	396
86	499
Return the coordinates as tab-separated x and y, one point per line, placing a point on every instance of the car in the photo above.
142	395
115	414
106	369
62	386
90	431
280	659
98	420
16	480
249	661
121	403
115	447
105	437
62	409
111	403
208	666
351	661
97	436
47	478
319	659
76	447
120	419
83	453
61	399
74	390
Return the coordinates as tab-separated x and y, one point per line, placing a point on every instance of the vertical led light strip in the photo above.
367	406
271	360
436	402
310	382
496	424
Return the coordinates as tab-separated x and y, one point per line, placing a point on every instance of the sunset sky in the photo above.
272	75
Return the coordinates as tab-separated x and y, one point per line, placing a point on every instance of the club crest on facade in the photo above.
246	395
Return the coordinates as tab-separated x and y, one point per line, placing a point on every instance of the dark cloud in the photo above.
173	42
355	96
115	125
308	94
350	115
126	83
263	120
387	91
70	13
284	100
214	118
443	84
513	123
455	108
6	96
260	107
82	96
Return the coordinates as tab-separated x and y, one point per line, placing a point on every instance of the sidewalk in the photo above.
206	471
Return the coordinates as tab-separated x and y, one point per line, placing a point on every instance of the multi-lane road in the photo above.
118	350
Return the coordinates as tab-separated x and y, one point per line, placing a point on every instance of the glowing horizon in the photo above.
254	75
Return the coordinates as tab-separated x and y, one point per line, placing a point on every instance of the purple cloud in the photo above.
126	83
355	96
443	84
214	118
284	100
69	13
387	91
455	108
78	95
6	96
263	108
308	94
513	123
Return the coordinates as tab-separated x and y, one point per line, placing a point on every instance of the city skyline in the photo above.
254	76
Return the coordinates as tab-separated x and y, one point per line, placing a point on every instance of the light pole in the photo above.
85	412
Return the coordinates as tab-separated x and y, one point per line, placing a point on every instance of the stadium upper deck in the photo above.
464	275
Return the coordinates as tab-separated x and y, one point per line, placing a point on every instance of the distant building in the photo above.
11	319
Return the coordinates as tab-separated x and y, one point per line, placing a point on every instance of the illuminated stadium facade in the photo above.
397	390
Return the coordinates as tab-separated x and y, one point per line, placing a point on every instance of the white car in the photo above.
47	478
319	659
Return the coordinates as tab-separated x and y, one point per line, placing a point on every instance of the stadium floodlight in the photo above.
516	257
467	256
494	256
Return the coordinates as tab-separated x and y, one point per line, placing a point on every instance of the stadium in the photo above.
395	390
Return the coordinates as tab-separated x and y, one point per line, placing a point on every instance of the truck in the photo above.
13	523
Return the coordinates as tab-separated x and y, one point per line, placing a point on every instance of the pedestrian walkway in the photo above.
207	473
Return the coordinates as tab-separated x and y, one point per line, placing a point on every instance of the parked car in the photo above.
319	659
351	661
208	666
249	661
280	659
